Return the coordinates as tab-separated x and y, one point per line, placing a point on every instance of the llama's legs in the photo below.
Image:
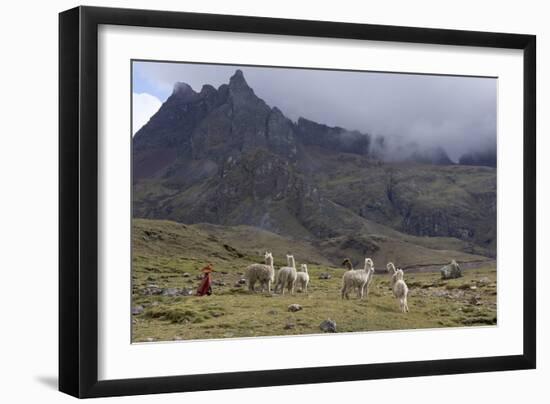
344	292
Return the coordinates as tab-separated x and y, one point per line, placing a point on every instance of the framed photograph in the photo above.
251	201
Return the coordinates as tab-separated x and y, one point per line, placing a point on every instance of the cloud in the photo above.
144	107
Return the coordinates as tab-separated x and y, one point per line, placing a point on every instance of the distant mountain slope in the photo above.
205	242
223	156
486	158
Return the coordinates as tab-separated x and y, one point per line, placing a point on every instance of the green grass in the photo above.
233	312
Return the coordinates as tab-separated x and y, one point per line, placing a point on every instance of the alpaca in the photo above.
398	286
302	278
390	267
356	278
287	276
262	273
347	263
451	271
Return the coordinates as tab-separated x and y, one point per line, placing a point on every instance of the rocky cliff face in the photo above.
223	156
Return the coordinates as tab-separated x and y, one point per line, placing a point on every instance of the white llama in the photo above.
286	277
262	273
392	270
302	278
356	278
398	286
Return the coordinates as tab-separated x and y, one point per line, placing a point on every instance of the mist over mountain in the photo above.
224	156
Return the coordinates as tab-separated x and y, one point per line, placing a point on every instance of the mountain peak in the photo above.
182	88
183	92
238	80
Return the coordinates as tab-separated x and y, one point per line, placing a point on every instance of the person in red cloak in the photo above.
205	288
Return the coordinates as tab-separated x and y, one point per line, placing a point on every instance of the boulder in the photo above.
137	310
451	271
151	290
328	326
294	307
173	292
475	301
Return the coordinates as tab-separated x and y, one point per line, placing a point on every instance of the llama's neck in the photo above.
270	261
367	265
292	263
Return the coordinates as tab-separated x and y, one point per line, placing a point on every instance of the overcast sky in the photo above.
457	113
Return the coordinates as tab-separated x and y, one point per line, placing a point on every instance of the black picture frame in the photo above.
78	200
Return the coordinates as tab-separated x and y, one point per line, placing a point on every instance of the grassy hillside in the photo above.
167	257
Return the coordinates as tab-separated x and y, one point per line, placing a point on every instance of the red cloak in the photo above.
205	288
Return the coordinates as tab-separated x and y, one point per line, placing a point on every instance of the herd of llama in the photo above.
289	278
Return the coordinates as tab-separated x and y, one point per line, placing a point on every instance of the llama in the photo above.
347	263
262	273
302	278
451	271
390	267
356	278
398	286
286	277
